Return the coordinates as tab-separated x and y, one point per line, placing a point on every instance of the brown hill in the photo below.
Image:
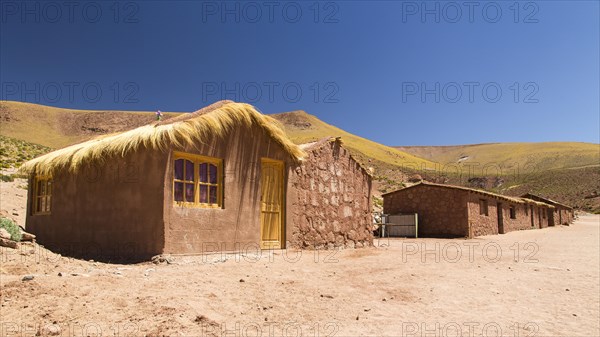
567	172
57	127
541	156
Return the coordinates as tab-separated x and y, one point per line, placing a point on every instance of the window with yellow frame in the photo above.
197	181
42	195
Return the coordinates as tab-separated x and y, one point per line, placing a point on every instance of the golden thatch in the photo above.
535	202
187	129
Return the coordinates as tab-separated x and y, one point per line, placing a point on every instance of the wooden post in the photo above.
416	225
470	229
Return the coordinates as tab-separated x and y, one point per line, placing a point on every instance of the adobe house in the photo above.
562	215
539	213
224	178
455	211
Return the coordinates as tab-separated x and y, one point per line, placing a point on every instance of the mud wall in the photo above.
541	213
442	211
236	226
107	211
329	201
522	218
482	224
562	216
557	217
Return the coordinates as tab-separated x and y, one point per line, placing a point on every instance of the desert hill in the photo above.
564	171
302	127
56	127
544	156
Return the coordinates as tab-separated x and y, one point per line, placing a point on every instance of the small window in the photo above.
483	207
42	195
208	183
513	212
197	181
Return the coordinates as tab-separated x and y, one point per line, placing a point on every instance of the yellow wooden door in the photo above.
271	205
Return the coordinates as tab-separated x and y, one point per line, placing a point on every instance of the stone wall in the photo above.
542	213
562	216
489	225
522	218
442	211
533	216
329	200
540	216
556	217
448	211
482	224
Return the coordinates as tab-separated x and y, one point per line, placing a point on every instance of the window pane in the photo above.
213	195
189	192
49	188
213	173
47	204
179	169
42	204
203	194
178	192
189	170
203	173
41	188
38	204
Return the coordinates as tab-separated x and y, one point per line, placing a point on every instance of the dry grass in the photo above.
14	152
302	127
196	127
579	188
533	156
57	127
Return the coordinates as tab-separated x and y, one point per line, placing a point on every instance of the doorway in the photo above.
500	218
272	205
532	218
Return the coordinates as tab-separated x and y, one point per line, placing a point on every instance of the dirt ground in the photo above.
13	197
529	283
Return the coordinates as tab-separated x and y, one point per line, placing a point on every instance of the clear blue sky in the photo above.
388	71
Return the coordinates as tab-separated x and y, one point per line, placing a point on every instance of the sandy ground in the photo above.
529	283
13	197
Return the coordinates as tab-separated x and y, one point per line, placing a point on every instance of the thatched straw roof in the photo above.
472	190
186	129
535	202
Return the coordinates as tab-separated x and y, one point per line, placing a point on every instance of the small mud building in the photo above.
562	215
224	178
454	211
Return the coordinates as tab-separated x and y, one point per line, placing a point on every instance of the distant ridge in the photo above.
565	171
544	156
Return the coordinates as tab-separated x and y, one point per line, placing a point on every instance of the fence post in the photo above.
416	225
